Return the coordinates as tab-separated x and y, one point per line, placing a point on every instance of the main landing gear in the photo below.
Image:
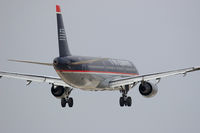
66	99
69	100
63	94
125	100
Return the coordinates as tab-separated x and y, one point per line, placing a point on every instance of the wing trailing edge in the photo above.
154	76
35	78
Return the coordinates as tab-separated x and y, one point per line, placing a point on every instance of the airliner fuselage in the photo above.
94	75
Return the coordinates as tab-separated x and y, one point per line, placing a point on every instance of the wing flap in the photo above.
35	78
131	80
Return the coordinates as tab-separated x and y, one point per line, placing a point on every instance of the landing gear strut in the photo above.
66	99
125	100
63	94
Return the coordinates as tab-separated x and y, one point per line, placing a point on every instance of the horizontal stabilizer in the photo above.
31	62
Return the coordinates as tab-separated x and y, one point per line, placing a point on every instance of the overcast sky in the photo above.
157	35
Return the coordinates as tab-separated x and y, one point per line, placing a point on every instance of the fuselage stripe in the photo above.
103	72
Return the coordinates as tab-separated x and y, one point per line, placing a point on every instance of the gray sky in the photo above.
157	35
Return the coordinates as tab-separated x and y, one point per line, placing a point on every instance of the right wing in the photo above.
130	80
36	78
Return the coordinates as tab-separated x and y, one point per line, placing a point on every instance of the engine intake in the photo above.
148	89
57	91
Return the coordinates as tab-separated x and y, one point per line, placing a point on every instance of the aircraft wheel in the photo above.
63	102
70	102
121	101
129	101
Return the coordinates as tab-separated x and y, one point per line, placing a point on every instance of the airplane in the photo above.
93	74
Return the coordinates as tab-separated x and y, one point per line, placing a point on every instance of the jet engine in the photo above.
148	89
57	91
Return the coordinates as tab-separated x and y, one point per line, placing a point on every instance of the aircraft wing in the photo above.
35	78
157	76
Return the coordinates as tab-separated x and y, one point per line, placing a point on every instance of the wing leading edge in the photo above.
35	78
135	79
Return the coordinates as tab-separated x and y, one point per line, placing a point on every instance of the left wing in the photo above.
35	78
135	79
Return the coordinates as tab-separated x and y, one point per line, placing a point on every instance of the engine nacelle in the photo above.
148	89
57	91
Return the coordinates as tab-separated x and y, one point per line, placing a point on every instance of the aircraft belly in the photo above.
85	81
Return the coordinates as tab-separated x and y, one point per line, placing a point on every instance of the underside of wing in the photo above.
35	78
135	79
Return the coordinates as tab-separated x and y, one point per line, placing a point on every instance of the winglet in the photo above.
58	10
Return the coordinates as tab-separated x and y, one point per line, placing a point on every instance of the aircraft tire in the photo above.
70	102
129	101
63	102
121	101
